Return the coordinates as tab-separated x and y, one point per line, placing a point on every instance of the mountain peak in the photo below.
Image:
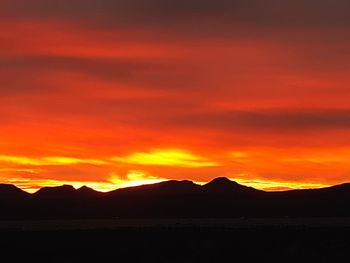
56	191
166	187
177	183
8	187
11	191
87	190
223	184
221	180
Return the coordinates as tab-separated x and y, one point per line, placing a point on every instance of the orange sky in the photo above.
116	93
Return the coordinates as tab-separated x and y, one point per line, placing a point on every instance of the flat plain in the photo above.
177	240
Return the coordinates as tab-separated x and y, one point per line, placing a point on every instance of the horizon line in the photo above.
82	185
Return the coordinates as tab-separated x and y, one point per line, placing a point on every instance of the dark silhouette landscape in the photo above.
220	198
175	221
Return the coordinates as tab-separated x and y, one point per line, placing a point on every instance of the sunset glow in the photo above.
112	94
174	158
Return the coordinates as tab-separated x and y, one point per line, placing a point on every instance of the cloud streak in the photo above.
43	161
167	157
158	12
270	120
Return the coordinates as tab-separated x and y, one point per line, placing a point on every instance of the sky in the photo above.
116	93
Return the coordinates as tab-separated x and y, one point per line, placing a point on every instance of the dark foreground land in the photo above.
48	226
228	240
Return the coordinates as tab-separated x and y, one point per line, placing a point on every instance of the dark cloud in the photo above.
105	68
165	12
155	74
293	121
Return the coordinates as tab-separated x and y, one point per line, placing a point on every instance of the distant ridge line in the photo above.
220	198
221	180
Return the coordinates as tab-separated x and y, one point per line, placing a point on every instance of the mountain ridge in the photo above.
220	198
220	182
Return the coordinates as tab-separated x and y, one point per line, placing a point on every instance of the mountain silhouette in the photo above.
87	192
167	188
220	198
10	191
57	192
224	185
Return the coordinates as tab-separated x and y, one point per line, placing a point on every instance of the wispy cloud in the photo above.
43	161
167	157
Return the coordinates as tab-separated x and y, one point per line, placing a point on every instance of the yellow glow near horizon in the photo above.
257	168
168	157
133	178
269	185
33	185
42	161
